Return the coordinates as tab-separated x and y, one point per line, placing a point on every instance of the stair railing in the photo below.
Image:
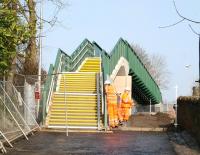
52	84
65	99
81	59
98	100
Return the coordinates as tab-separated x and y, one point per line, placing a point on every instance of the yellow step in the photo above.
73	120
68	102
74	110
74	116
73	124
55	113
73	96
73	105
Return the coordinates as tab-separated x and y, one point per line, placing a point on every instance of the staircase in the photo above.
76	103
91	65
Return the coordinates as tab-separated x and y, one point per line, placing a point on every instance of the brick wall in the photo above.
189	115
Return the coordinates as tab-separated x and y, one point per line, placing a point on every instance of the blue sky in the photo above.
137	21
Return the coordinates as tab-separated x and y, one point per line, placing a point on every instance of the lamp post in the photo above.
40	58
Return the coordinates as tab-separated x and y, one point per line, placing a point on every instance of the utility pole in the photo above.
40	56
199	69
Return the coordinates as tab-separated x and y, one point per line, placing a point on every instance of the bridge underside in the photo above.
139	92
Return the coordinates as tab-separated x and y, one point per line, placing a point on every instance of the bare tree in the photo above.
189	21
155	64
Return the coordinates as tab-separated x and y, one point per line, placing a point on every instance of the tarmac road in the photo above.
117	143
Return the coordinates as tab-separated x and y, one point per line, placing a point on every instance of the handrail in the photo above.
98	100
80	51
81	59
66	119
53	84
77	53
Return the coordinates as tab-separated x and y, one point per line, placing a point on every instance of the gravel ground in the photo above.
150	121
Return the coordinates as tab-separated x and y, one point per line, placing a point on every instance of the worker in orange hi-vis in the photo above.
111	98
119	106
127	104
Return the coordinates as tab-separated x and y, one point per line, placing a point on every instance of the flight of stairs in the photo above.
74	104
91	65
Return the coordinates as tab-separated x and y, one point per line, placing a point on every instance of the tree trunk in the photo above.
31	61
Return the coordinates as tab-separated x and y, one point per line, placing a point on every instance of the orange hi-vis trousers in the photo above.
112	114
126	106
125	113
112	105
120	112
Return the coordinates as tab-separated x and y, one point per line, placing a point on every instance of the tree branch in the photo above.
183	17
22	10
195	32
172	24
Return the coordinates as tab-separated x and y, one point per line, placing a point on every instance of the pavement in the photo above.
118	142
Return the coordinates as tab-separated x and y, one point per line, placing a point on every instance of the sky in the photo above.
136	21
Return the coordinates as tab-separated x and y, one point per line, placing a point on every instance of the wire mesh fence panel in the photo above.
8	124
26	111
16	117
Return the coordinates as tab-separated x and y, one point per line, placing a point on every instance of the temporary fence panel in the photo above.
13	115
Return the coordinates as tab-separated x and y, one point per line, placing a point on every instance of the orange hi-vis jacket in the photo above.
111	94
126	100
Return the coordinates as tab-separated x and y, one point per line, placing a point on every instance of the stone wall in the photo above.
189	115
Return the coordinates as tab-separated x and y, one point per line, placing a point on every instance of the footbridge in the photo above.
73	95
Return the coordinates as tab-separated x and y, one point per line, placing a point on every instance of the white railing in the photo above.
49	98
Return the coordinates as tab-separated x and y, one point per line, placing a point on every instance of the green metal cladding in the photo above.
141	77
144	85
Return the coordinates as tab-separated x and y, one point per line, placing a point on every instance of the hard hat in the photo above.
128	89
107	82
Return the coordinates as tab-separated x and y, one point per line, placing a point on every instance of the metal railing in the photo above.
65	99
53	81
98	100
